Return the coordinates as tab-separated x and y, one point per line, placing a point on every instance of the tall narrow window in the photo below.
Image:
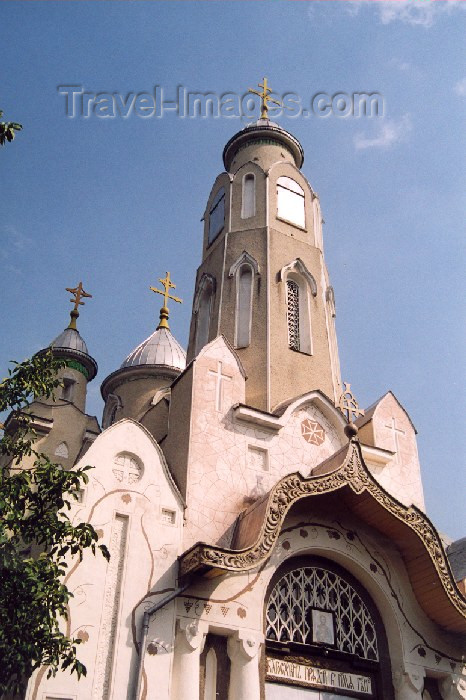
290	201
217	215
203	308
244	306
249	196
292	302
68	389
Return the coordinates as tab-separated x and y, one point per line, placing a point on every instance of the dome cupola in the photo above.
153	365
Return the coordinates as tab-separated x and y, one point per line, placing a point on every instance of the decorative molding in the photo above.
299	268
352	473
111	603
192	633
245	257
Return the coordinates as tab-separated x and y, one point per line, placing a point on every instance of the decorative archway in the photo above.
324	634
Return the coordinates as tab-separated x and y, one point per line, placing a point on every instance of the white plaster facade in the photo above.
202	521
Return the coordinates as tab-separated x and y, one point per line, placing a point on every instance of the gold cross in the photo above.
79	294
265	98
167	285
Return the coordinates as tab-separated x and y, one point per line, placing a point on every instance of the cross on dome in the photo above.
265	98
167	285
78	293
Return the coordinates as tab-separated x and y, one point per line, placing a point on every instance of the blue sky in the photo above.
117	202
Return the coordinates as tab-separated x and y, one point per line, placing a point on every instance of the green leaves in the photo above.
7	130
38	541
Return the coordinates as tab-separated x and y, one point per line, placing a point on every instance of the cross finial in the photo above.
265	98
167	285
350	407
79	294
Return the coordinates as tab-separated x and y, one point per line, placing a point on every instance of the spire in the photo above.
164	312
265	98
79	293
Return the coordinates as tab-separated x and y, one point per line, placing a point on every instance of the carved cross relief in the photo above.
221	378
396	432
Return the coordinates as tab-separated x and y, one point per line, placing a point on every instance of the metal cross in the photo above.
79	294
265	98
167	285
219	391
395	430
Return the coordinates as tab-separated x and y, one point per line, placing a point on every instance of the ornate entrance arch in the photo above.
324	635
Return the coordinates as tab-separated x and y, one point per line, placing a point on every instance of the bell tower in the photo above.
263	283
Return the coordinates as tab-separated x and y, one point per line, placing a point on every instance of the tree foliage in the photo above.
7	130
38	541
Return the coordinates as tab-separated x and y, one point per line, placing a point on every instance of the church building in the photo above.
268	538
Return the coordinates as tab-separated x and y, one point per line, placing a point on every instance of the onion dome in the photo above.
70	345
161	348
160	356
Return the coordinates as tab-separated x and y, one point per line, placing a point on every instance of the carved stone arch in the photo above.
244	258
298	267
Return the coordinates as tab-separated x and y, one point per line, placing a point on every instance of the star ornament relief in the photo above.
312	431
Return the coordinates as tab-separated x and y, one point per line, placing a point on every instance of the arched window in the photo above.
292	310
298	314
244	270
217	215
203	304
248	208
113	403
290	201
300	286
314	605
244	306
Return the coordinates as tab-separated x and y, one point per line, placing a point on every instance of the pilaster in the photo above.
244	652
189	644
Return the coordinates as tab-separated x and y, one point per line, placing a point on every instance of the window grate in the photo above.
296	594
292	300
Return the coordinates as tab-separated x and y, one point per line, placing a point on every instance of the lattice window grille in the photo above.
289	611
292	294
